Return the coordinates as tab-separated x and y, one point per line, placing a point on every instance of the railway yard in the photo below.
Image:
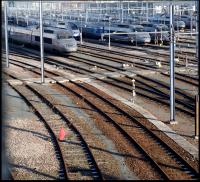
112	106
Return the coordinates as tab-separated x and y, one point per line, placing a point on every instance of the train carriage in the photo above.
55	39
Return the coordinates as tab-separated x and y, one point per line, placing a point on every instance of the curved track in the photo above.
53	122
167	152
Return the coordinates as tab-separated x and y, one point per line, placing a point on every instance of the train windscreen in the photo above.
139	29
73	26
64	35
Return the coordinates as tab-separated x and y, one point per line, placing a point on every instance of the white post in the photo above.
155	37
51	10
128	7
81	31
62	11
86	15
16	16
190	23
109	35
186	61
136	37
147	11
134	94
122	11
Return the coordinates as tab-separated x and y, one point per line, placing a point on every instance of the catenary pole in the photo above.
172	91
197	31
6	33
197	58
109	34
41	44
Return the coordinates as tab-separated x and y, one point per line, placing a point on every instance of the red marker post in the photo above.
61	134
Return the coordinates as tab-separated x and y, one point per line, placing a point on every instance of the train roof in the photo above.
54	29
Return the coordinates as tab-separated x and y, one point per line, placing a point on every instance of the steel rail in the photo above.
110	102
147	92
69	123
37	113
127	136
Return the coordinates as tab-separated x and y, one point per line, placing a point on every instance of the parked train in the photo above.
72	27
69	25
124	33
55	39
180	25
20	21
158	32
188	20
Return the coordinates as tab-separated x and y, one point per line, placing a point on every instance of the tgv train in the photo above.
141	37
69	26
20	21
123	33
166	21
188	20
55	39
158	31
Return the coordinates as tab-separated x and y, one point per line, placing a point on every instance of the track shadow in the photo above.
31	170
37	134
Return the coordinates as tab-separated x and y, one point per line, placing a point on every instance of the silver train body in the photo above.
54	39
136	36
158	31
123	34
188	20
166	21
72	27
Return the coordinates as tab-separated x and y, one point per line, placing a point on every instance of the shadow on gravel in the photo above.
82	108
103	150
117	153
87	172
31	170
176	133
23	56
13	96
39	135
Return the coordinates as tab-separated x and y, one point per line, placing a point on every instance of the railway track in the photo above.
120	61
95	64
92	65
186	78
181	53
127	56
76	161
129	126
151	91
147	88
165	172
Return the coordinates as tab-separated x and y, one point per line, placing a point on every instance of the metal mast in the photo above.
172	91
6	32
41	44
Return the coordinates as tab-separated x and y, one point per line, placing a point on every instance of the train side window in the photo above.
37	38
61	23
48	31
47	40
122	35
